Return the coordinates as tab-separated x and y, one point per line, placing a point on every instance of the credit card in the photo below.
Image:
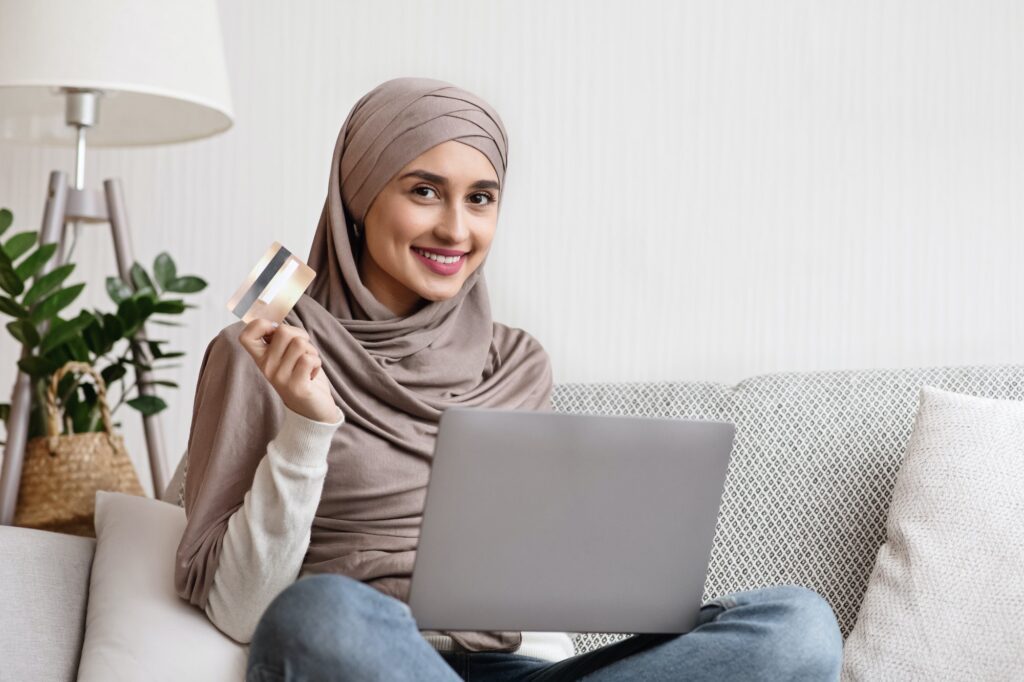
273	286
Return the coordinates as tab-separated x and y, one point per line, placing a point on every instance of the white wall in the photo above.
697	190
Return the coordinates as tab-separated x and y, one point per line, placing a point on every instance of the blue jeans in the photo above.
329	626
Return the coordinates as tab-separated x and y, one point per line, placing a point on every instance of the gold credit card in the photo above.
273	286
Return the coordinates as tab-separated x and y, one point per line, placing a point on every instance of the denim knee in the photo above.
327	617
807	633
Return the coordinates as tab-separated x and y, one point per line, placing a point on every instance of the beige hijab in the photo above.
391	376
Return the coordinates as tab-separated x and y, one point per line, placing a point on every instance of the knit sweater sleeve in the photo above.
267	537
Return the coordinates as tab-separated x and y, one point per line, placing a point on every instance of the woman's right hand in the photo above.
292	366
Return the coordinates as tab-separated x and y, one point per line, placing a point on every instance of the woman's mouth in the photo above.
442	265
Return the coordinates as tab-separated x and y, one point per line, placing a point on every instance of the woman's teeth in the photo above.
434	256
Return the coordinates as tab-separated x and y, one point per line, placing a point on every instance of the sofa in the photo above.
813	465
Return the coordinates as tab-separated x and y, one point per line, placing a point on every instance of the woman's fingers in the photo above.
267	342
279	341
307	366
251	337
297	349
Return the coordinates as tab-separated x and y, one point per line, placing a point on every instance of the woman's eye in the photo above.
417	189
490	198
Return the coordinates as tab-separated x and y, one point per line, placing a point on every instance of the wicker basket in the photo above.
61	474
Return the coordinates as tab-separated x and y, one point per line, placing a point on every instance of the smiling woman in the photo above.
429	228
272	496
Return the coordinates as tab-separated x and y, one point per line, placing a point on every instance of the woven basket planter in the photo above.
61	474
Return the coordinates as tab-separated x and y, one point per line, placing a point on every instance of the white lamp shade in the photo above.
159	64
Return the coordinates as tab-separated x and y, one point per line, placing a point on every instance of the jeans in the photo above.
329	626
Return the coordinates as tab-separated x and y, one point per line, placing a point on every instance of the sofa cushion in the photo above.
947	590
44	577
137	627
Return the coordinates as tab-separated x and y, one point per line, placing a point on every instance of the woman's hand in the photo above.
292	366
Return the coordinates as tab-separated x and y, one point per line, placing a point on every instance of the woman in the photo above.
301	532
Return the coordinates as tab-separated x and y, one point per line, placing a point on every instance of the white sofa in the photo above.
813	465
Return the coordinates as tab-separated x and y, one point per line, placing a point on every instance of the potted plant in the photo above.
35	303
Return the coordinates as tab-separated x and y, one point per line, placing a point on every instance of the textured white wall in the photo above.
697	190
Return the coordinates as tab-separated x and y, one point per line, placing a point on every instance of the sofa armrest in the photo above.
44	583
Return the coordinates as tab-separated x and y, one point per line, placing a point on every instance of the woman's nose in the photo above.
455	227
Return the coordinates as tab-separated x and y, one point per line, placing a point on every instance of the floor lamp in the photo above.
131	74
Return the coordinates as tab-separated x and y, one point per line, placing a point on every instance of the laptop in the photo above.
548	521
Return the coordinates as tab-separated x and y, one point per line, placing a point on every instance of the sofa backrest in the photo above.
812	470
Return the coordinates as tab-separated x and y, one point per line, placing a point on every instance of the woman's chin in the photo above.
439	293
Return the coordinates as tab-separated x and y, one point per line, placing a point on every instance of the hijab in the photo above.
392	376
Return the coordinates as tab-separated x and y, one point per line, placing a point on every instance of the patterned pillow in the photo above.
946	594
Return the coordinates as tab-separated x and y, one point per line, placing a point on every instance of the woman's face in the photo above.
446	198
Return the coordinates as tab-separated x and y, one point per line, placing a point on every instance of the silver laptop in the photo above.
548	521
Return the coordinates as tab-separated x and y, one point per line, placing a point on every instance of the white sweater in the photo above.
267	537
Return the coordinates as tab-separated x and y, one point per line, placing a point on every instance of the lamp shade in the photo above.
159	64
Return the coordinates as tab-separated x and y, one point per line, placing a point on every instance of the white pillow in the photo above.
136	625
946	595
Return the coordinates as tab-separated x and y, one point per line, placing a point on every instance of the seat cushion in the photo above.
44	577
137	627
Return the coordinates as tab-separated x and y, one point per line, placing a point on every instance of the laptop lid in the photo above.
551	521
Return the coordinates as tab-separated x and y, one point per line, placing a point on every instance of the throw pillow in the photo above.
945	597
136	626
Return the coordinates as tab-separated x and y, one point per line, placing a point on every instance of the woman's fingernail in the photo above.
275	325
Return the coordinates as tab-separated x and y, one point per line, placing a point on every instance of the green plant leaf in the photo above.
62	354
6	218
161	382
154	348
93	335
174	354
141	365
164	269
90	392
128	312
113	372
113	328
25	331
30	266
172	306
9	280
20	243
144	304
11	307
79	351
39	367
141	278
166	323
118	289
46	283
5	411
65	330
147	404
186	285
55	302
81	414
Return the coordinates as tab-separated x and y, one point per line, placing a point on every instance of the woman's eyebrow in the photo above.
441	180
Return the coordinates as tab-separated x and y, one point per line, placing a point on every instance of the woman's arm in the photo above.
267	537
